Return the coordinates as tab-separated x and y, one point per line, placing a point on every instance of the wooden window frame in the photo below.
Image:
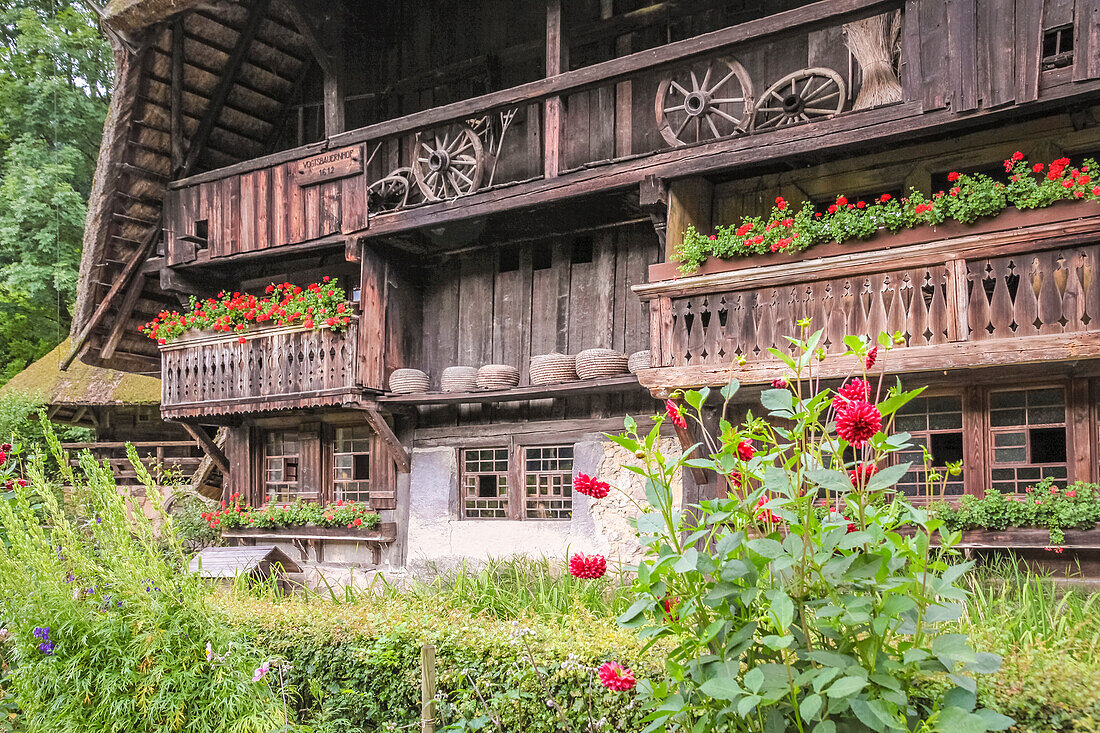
567	487
509	499
516	445
1066	387
967	448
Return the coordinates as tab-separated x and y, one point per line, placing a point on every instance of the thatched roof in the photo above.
136	160
82	384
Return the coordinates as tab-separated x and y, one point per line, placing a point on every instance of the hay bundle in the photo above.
874	42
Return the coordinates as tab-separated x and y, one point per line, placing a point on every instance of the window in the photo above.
351	464
549	482
936	424
485	483
1028	430
1058	47
281	458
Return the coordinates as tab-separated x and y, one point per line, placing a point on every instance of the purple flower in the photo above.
46	648
209	651
261	671
42	632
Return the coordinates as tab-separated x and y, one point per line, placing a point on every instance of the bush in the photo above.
1077	506
357	666
108	633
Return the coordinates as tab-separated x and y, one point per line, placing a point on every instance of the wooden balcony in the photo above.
611	125
275	368
163	458
1017	289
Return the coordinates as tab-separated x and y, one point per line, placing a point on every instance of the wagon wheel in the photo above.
690	110
449	162
390	193
801	96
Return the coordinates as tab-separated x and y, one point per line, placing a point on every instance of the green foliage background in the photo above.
55	76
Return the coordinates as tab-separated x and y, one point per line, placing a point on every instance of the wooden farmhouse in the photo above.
119	408
494	181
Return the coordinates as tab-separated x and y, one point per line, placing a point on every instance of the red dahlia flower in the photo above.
745	450
590	486
616	677
587	567
857	421
853	389
779	383
765	515
862	474
674	414
872	356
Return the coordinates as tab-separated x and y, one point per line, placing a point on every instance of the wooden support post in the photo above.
334	77
208	445
1078	412
382	428
122	319
427	689
128	271
556	63
689	204
177	96
975	439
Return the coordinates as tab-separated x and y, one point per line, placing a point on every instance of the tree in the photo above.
55	77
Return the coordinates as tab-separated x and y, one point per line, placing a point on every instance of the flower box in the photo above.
384	533
1010	219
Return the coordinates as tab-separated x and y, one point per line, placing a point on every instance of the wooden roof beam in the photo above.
317	43
209	447
122	320
225	85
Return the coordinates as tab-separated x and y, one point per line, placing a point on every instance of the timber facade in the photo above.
494	181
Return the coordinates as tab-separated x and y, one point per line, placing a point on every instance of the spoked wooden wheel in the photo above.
691	109
449	162
390	193
802	96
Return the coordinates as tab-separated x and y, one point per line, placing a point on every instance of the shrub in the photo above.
1045	505
356	666
108	633
777	619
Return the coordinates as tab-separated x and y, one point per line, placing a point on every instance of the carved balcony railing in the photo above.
982	298
274	368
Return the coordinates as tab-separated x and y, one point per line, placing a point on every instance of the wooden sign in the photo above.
329	166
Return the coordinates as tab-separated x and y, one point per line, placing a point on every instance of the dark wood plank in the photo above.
1086	48
624	383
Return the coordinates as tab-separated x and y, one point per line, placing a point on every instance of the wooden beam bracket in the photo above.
399	452
209	447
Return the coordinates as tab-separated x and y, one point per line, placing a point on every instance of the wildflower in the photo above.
587	567
872	355
854	389
261	671
590	486
745	450
862	474
857	422
616	677
952	176
674	414
209	651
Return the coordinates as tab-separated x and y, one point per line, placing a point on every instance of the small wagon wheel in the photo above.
389	193
801	96
449	162
691	110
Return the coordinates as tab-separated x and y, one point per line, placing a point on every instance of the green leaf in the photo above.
765	547
783	609
696	398
778	401
866	715
984	663
829	479
825	726
722	688
754	679
810	706
746	704
688	562
846	686
994	720
730	389
888	476
636	609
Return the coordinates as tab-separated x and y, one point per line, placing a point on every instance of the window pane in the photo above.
548	482
351	465
484	485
